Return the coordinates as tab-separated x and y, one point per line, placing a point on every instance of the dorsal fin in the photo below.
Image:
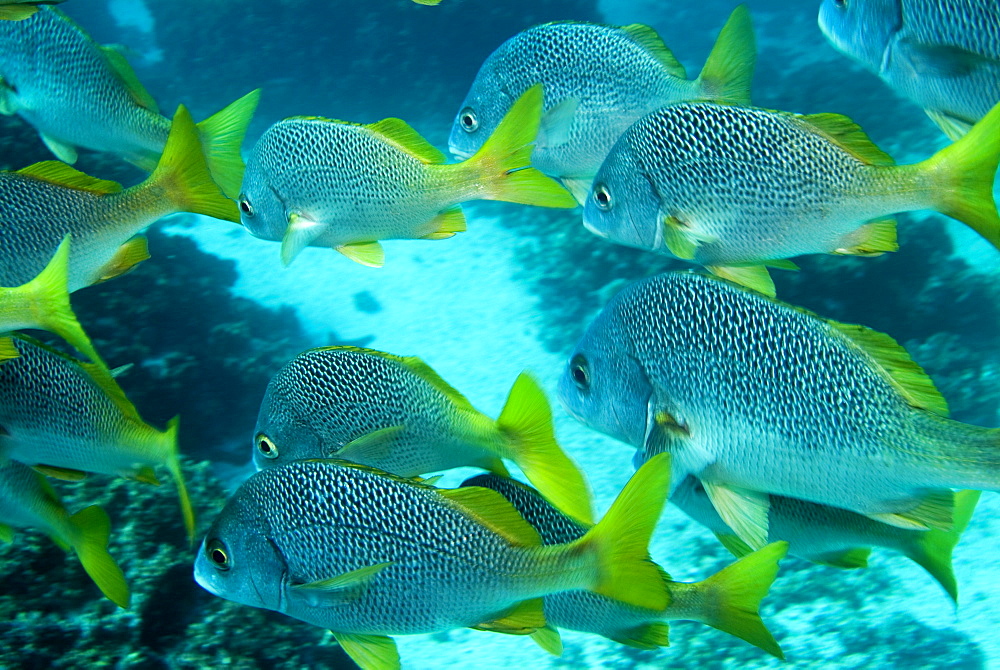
103	379
125	72
401	134
849	136
496	513
908	377
649	40
60	174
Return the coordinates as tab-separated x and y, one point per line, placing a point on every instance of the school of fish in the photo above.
779	431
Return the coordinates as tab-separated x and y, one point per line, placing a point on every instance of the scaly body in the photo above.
944	56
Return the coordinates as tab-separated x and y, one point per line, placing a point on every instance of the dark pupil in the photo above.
218	557
602	197
265	446
579	375
467	120
245	206
840	3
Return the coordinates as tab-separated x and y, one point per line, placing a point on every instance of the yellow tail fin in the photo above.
222	136
49	295
963	175
729	69
93	530
182	171
174	465
732	597
933	548
526	421
620	540
503	164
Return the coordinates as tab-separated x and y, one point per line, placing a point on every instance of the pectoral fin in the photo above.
946	61
525	618
579	187
663	430
370	652
300	233
8	99
365	253
340	589
679	239
743	510
373	448
63	151
554	129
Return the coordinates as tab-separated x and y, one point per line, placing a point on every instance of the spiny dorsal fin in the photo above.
849	136
401	134
125	72
908	377
60	174
649	40
524	618
495	512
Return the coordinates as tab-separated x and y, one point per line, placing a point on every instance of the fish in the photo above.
312	181
836	537
728	600
27	500
43	303
736	189
755	397
395	413
79	94
367	554
943	57
69	418
17	10
43	203
598	80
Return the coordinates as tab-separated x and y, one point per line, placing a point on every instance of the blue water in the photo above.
503	297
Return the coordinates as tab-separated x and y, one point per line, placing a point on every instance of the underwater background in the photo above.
213	314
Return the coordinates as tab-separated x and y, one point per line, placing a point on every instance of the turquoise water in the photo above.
512	293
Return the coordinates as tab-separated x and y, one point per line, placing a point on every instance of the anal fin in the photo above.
850	559
525	618
743	510
446	224
935	510
125	259
370	652
370	254
66	474
872	239
548	638
646	636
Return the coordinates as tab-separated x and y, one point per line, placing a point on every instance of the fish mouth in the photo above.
603	234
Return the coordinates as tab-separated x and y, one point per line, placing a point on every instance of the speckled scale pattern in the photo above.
35	216
327	519
55	414
615	80
758	184
574	610
970	24
777	399
345	175
325	398
66	89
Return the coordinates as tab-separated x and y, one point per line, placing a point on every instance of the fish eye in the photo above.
245	206
216	552
266	447
602	196
840	4
468	120
580	372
